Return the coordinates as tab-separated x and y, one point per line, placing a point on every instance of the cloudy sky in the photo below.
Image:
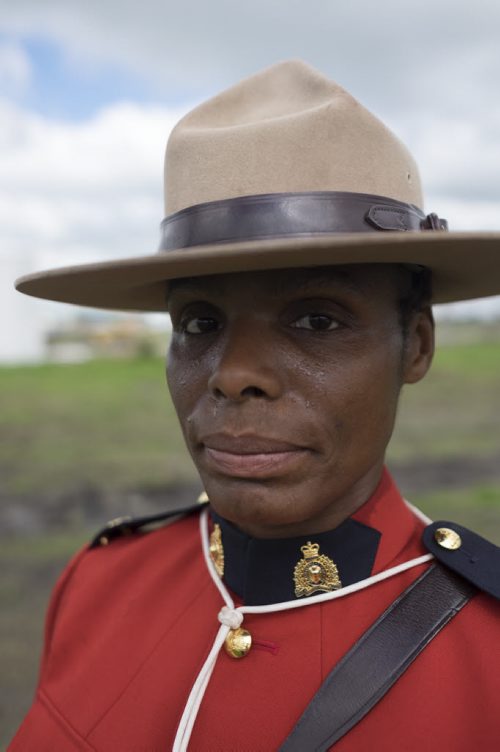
90	90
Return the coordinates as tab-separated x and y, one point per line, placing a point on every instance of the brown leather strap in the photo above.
273	215
379	658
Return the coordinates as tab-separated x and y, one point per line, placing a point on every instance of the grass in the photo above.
101	423
111	425
476	507
454	411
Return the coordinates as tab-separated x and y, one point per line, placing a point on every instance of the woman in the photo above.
298	270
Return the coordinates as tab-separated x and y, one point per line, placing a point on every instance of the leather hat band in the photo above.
289	215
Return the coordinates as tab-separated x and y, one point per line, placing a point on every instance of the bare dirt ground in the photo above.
423	476
89	507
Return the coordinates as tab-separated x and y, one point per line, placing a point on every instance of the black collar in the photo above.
260	571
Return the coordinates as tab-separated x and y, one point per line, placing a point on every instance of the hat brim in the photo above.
464	266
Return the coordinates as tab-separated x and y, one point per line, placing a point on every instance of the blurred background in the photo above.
88	94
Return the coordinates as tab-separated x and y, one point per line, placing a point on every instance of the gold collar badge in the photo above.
216	550
315	572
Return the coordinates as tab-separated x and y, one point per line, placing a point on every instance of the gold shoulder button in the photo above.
447	538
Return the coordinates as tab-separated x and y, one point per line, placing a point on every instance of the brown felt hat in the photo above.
285	169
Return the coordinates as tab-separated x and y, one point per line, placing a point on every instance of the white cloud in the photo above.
15	67
73	193
434	69
432	52
82	191
459	162
91	190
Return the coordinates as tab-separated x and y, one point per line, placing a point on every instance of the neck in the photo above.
381	534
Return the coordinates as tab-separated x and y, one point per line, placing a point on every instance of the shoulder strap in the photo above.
122	526
379	658
466	553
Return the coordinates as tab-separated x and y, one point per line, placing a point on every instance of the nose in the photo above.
247	365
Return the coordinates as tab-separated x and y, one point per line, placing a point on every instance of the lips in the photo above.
250	456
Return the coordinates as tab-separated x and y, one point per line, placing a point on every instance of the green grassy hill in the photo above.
102	437
111	424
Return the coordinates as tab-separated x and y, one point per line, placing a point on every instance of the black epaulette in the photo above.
122	526
466	553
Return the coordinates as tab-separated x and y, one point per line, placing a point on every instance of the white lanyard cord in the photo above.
231	617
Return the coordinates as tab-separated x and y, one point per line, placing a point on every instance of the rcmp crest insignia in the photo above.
315	572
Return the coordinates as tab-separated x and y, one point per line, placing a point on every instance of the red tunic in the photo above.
131	624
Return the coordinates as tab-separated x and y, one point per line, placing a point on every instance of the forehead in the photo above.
357	279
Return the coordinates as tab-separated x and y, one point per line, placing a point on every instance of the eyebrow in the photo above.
312	278
318	278
195	284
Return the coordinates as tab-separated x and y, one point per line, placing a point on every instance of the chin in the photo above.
250	505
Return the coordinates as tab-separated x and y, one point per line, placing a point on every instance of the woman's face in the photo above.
286	385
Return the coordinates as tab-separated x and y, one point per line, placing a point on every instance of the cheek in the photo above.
176	379
181	383
187	380
359	399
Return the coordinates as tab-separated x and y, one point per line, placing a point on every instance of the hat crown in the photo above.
285	129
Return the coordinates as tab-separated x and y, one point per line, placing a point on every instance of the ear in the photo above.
419	349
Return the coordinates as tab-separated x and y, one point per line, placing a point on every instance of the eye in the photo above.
317	322
199	325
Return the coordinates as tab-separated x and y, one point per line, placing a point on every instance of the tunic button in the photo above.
447	538
238	643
